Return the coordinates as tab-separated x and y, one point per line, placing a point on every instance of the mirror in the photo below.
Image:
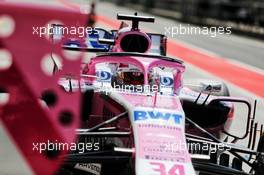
92	40
237	123
158	44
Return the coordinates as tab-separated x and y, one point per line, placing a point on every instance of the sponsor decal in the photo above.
93	168
166	81
157	115
155	143
104	75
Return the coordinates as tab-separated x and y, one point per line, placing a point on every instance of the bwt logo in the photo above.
144	115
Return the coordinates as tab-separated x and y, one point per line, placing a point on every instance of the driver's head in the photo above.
127	75
133	78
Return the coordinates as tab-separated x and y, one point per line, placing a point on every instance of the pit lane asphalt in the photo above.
248	51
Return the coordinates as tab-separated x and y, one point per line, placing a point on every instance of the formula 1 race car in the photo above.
143	118
138	116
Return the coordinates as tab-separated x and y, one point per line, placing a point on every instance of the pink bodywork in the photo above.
171	134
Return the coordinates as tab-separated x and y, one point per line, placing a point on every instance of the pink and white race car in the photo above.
134	113
146	120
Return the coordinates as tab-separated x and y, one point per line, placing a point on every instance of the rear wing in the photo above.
135	19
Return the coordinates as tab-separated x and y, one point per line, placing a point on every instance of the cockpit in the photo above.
136	74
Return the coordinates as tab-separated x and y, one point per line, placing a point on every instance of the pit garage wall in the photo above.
244	16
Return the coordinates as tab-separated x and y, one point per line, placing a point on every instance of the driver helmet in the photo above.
129	75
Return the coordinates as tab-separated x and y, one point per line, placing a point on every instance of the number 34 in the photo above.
162	170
